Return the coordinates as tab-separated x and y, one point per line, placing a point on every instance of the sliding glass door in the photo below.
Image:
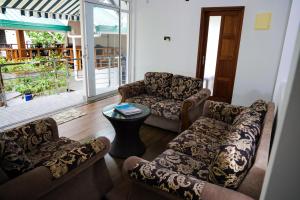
106	39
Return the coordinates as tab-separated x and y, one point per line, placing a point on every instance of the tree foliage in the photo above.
46	38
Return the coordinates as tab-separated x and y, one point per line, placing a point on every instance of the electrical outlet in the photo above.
167	38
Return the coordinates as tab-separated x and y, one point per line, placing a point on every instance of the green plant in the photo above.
45	38
40	78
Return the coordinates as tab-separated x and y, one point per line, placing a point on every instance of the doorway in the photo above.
106	45
220	33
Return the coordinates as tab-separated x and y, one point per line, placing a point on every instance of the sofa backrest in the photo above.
252	183
158	83
233	165
31	135
237	150
183	87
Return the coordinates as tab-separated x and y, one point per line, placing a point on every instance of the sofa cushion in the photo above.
14	161
31	135
168	108
158	84
183	87
144	99
223	111
201	147
209	126
237	152
181	163
173	182
51	150
258	106
62	164
261	107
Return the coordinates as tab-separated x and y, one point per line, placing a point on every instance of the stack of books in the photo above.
127	109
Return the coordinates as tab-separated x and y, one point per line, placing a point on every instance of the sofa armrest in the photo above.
221	111
163	179
132	89
215	192
195	101
30	185
205	190
77	156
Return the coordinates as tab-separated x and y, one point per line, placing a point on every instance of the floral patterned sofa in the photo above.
223	155
37	164
175	101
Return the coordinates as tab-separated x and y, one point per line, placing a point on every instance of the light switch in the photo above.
263	21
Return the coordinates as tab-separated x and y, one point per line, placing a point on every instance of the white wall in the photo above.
259	50
282	177
287	52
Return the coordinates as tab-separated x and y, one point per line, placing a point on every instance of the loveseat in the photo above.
37	164
175	101
222	155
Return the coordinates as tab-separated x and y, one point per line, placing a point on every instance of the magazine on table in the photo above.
127	109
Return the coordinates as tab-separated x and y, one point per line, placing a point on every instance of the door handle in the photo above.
203	60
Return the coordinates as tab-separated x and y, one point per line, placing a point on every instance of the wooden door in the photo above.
227	51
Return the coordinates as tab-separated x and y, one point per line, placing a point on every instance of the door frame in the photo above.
87	52
203	35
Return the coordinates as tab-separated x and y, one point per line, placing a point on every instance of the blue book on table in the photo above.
127	109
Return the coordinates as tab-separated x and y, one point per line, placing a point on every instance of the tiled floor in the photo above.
25	111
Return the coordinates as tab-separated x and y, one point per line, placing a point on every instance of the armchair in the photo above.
37	164
175	101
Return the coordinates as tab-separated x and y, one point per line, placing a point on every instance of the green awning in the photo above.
11	24
110	29
12	19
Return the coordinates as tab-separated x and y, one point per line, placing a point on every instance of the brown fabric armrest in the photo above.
30	185
215	192
196	99
132	89
221	111
191	103
76	157
175	183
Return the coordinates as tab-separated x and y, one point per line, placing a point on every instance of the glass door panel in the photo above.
106	49
212	51
105	45
124	47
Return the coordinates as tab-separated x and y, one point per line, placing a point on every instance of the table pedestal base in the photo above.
127	141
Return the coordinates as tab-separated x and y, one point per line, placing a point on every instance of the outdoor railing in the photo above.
42	77
101	55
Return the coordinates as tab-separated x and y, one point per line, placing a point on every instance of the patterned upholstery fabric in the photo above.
209	126
168	108
183	87
223	111
50	150
237	152
132	89
31	135
68	161
186	187
182	163
33	145
158	84
261	107
200	147
146	100
13	159
220	150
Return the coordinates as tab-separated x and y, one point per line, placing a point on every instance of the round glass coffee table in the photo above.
127	141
